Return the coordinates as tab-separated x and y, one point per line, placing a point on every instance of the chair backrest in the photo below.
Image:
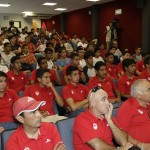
4	137
59	89
115	108
65	128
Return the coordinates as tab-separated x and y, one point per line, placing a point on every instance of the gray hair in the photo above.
137	87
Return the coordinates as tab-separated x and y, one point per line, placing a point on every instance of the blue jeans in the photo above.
9	125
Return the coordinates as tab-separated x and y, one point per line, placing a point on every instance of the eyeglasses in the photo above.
96	88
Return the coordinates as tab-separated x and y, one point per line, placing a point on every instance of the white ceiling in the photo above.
18	6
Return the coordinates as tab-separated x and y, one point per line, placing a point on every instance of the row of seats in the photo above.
64	127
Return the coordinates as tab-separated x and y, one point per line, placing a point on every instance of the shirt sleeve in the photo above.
66	93
33	75
121	85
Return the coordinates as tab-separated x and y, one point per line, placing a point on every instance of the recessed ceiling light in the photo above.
27	12
61	9
93	0
4	5
50	4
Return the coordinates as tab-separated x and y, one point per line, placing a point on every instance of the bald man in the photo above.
94	128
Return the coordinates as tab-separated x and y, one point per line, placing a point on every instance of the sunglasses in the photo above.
96	88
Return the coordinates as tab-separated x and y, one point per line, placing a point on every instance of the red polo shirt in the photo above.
145	75
124	83
134	119
77	93
87	127
140	66
107	84
52	75
6	104
47	139
17	82
112	70
120	69
41	94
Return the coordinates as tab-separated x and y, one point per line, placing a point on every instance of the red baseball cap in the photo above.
26	104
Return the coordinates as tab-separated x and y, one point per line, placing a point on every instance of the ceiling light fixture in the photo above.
93	0
50	4
4	5
61	9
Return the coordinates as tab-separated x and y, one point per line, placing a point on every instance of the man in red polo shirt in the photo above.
94	128
134	115
16	79
146	73
7	98
112	69
128	78
105	82
32	134
75	94
74	62
54	76
44	90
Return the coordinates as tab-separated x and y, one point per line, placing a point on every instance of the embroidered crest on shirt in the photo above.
99	84
128	82
149	78
22	78
37	93
109	69
72	91
50	93
94	126
48	140
81	91
140	111
26	148
12	78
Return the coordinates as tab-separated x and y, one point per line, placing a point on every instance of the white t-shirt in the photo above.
95	60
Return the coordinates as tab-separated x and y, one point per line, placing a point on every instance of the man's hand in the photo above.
1	129
59	146
44	113
109	114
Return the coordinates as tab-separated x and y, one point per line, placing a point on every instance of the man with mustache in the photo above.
33	134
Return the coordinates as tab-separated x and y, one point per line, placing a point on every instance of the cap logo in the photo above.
30	99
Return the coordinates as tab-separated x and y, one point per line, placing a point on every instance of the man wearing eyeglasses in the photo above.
134	114
95	128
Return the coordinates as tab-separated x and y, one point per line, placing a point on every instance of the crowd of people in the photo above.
33	63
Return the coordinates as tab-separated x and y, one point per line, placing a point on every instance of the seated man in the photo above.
146	73
16	79
74	62
89	70
54	76
75	94
134	115
7	98
44	90
125	81
105	82
32	134
94	128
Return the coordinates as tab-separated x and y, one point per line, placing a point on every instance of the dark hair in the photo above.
40	59
147	60
134	148
12	36
87	55
79	48
73	55
125	52
48	44
48	50
62	48
96	49
6	44
22	114
127	62
70	69
108	54
3	74
111	47
40	72
99	64
14	58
